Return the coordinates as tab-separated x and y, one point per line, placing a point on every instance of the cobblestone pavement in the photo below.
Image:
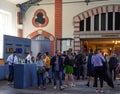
80	88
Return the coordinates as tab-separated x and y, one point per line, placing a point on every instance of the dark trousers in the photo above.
114	71
58	74
98	73
11	73
41	79
80	71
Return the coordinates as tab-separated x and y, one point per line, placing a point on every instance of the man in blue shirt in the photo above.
12	59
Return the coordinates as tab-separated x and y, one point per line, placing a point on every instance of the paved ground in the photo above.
80	88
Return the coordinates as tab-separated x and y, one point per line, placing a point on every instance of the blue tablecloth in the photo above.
4	71
25	75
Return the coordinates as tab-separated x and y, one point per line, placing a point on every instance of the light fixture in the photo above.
116	41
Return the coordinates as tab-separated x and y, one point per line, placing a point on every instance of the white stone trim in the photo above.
39	31
76	29
19	26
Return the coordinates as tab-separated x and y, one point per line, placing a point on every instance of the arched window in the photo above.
5	27
100	22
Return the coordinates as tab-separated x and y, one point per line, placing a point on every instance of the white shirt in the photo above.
29	58
12	59
40	63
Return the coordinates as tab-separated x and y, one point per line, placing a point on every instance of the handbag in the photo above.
107	77
40	70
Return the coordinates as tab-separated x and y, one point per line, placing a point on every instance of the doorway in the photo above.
107	46
40	44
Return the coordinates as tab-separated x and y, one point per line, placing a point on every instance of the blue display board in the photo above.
20	45
25	75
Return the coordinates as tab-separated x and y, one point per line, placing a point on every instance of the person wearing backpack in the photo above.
69	62
112	65
80	59
90	68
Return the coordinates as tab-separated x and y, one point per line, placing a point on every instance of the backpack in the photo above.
69	61
80	59
113	62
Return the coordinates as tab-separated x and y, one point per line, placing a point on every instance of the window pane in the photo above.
103	21
96	22
82	25
117	21
88	24
110	21
5	27
0	19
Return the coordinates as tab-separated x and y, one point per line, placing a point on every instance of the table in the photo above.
25	75
4	72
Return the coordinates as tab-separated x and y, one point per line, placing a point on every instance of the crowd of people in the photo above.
68	67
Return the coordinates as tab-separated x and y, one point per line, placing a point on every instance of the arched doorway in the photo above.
45	40
40	44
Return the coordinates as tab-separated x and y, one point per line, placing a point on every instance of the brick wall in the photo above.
20	32
58	18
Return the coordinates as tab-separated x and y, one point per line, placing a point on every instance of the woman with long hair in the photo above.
41	72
